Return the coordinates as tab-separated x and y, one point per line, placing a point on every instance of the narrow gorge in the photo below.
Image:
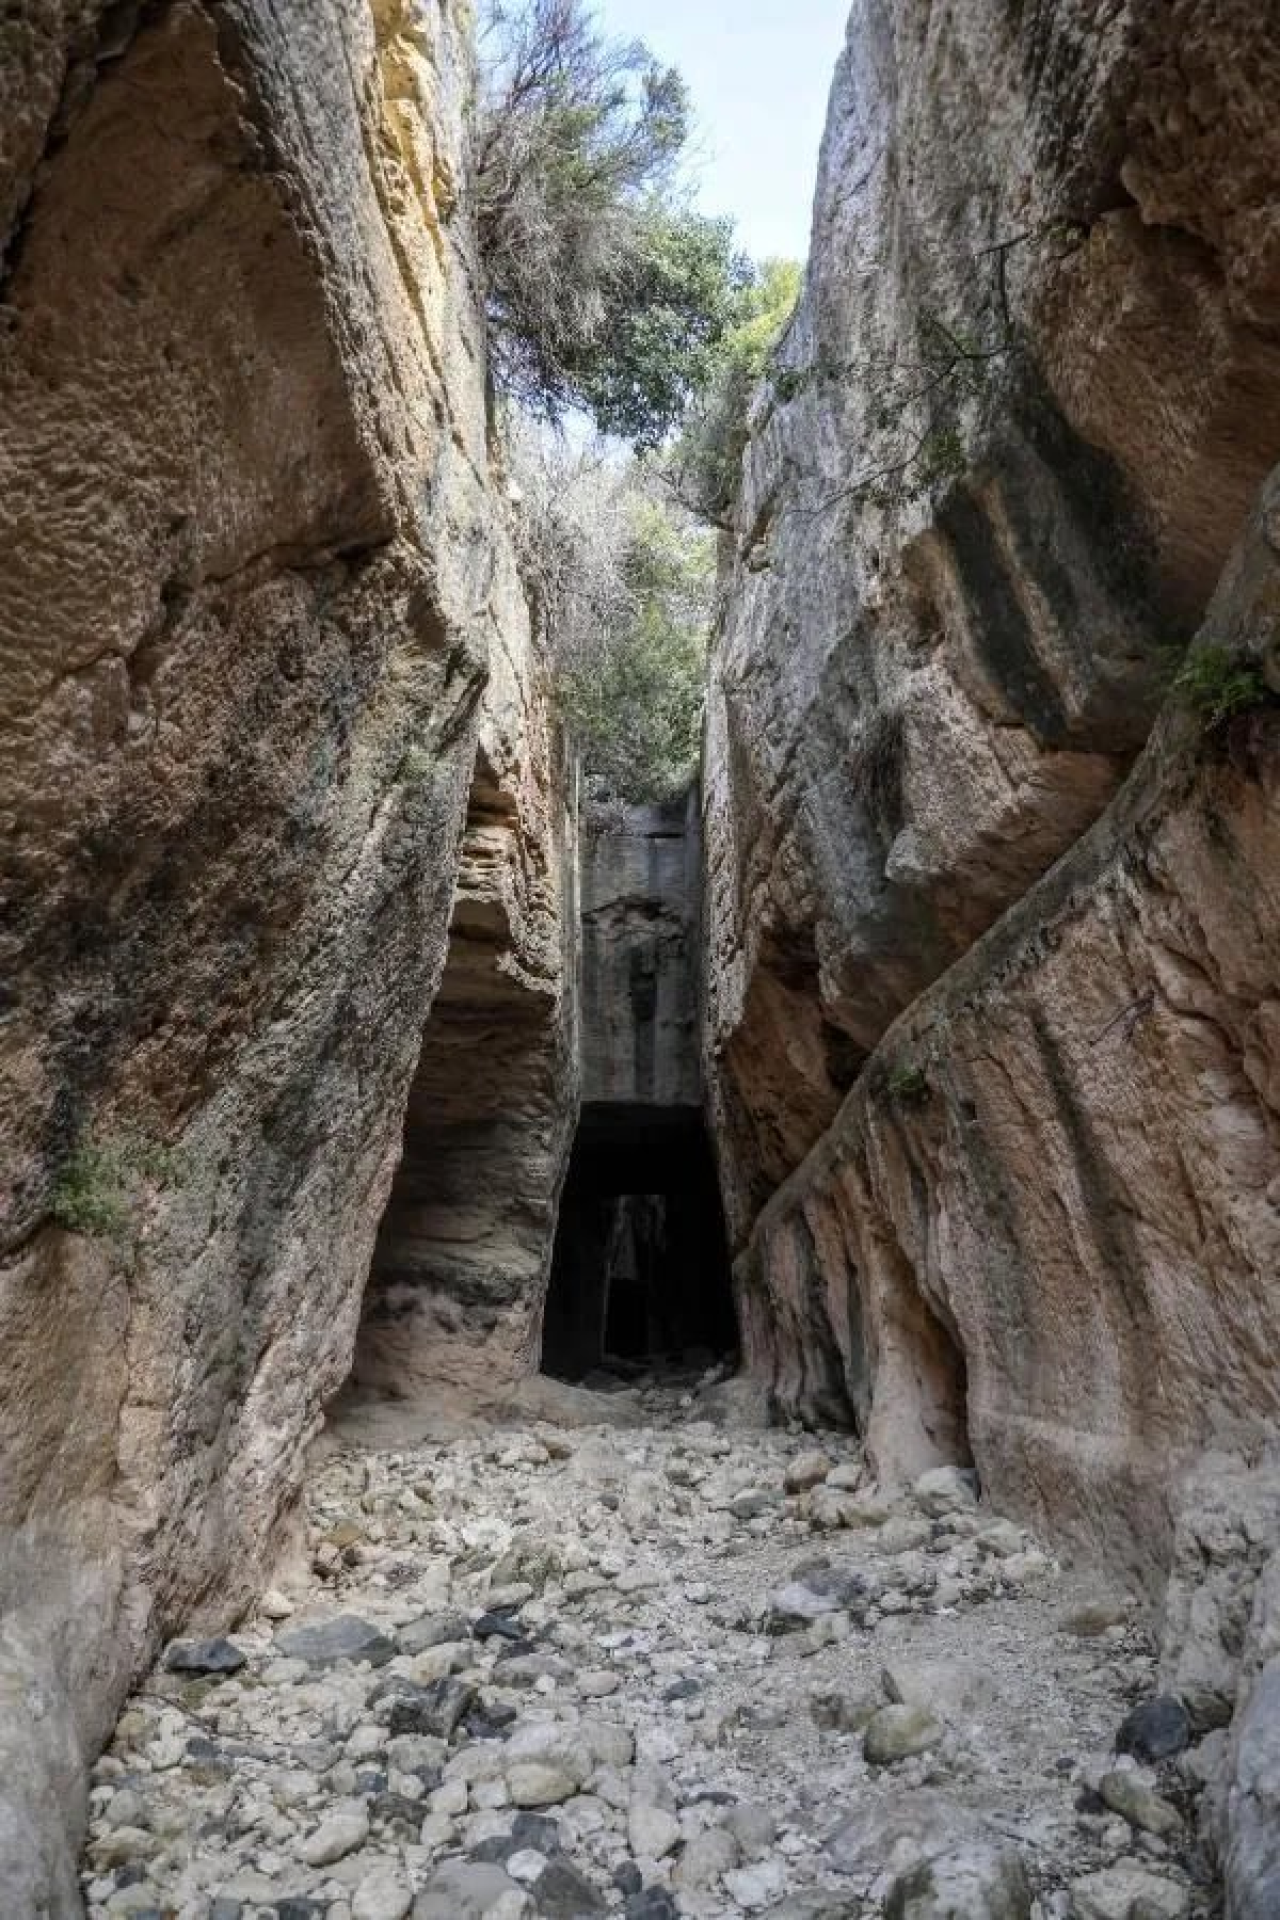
565	1355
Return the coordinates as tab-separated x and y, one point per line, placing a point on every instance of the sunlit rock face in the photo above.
254	579
991	1032
1015	430
1014	433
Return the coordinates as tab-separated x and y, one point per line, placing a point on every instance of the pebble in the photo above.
898	1732
1156	1729
340	1834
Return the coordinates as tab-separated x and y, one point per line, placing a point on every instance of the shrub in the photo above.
635	705
621	582
1216	683
909	1085
91	1194
603	293
705	465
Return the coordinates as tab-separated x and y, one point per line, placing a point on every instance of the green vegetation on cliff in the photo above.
611	301
606	293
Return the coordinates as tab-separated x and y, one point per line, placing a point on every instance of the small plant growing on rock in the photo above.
909	1085
91	1194
1217	683
415	767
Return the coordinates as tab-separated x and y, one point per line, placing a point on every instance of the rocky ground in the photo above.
656	1666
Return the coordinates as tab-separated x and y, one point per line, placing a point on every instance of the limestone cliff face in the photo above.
992	1034
1043	1228
254	578
1017	427
455	1298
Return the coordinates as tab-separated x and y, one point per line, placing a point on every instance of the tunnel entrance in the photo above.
640	1276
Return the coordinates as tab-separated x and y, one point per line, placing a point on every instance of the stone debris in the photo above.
648	1672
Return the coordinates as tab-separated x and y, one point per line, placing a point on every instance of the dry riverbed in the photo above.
669	1667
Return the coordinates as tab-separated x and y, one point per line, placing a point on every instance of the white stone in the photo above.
652	1831
944	1490
1119	1892
757	1886
383	1894
340	1834
526	1865
449	1798
539	1783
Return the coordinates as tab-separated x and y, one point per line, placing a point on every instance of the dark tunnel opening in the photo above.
640	1277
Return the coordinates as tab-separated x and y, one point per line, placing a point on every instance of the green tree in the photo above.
604	292
635	701
705	464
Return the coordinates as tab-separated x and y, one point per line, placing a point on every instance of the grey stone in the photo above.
536	1831
322	1643
898	1732
434	1710
341	1833
651	1903
562	1892
1129	1795
946	1490
433	1630
1157	1729
204	1657
814	1592
1127	1892
462	1890
978	1882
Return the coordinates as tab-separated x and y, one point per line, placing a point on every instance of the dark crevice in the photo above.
641	1269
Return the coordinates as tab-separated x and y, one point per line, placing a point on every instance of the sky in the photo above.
759	72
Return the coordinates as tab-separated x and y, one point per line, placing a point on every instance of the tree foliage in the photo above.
605	293
705	463
622	580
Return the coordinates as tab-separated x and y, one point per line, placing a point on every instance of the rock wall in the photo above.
252	581
992	1033
455	1299
641	957
1014	432
965	565
1043	1228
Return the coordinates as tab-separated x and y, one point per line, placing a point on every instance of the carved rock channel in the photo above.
437	1211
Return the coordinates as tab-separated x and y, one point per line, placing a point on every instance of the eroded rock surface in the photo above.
254	578
1036	1228
454	1303
1042	1230
991	1034
1015	430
